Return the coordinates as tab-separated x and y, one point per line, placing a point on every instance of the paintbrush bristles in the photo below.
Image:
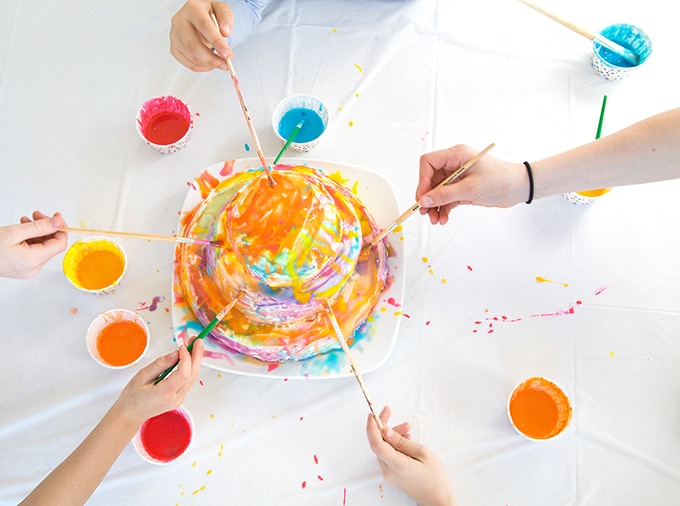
449	179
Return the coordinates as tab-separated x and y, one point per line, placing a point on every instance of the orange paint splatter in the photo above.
206	183
74	310
227	168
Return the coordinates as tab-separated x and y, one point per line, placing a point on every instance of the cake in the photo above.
282	250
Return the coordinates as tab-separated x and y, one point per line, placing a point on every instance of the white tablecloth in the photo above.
401	78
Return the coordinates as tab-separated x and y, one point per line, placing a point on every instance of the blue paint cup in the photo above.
610	65
294	109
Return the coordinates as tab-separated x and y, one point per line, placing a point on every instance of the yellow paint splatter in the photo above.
212	416
219	454
355	187
356	94
358	67
398	313
430	271
612	354
398	229
425	259
334	30
199	490
444	280
351	124
383	309
209	472
339	108
543	280
193	464
338	178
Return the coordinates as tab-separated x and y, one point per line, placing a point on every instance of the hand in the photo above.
489	182
141	399
193	35
26	247
407	465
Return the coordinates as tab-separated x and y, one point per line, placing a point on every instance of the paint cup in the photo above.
291	111
95	264
612	66
538	409
585	197
164	438
118	338
165	123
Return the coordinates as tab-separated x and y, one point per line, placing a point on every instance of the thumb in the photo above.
444	195
403	445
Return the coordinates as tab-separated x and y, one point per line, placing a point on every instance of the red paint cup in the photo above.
165	123
164	438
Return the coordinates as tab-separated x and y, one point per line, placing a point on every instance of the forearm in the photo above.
247	15
77	477
644	152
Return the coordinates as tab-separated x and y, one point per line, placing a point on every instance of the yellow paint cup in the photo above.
95	264
585	197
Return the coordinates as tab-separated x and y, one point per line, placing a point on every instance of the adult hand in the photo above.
407	465
26	247
193	35
489	182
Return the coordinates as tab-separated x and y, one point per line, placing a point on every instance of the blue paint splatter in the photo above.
246	146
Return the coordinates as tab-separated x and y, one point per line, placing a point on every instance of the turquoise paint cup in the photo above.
610	65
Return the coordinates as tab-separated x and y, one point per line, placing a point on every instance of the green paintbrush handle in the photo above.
293	134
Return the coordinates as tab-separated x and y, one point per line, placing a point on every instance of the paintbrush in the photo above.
627	54
446	181
350	359
246	114
290	139
149	237
218	318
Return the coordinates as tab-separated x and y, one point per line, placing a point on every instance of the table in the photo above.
401	78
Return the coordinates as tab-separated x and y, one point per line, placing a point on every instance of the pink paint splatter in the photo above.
469	267
300	418
304	484
392	302
201	382
406	315
600	290
198	114
344	496
316	459
320	477
427	323
272	366
227	168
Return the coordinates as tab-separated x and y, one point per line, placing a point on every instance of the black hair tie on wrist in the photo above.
531	183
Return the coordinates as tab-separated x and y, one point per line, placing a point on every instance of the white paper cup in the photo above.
95	264
165	123
612	66
539	409
307	107
165	438
118	338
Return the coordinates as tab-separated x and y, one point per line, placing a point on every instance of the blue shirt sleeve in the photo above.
247	15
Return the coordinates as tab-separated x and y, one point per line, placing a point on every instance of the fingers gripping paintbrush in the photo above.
218	318
411	210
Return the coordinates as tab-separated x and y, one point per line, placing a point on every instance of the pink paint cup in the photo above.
165	123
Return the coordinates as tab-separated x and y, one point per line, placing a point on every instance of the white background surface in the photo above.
401	78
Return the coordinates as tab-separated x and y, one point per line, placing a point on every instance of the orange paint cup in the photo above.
95	264
538	409
118	338
585	197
